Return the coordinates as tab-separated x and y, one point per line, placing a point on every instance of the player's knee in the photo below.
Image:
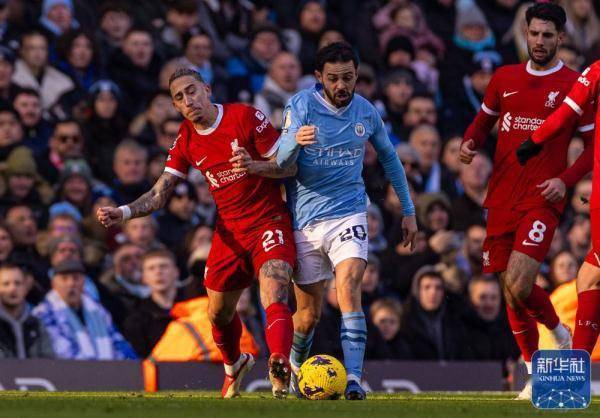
220	317
519	288
306	319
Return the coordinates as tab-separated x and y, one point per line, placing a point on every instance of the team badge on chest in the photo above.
359	129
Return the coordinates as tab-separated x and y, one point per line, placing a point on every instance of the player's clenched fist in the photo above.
109	216
467	151
409	231
306	135
241	161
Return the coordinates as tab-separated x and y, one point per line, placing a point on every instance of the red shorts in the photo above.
593	257
236	257
529	232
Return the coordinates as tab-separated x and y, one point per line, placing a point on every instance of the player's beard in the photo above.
551	53
336	101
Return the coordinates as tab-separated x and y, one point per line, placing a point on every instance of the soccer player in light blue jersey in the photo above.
324	131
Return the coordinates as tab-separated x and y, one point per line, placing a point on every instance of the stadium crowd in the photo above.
86	121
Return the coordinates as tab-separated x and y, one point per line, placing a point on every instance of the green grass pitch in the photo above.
208	404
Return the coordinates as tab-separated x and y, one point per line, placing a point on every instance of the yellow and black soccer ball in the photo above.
322	377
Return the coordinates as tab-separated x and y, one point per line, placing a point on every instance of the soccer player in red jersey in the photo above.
583	94
253	232
521	220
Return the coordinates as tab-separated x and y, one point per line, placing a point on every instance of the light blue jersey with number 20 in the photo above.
329	183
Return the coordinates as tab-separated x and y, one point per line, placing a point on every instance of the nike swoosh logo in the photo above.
505	94
273	323
529	244
201	161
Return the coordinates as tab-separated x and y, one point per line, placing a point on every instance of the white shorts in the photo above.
323	245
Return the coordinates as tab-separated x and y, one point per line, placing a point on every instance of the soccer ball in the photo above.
322	377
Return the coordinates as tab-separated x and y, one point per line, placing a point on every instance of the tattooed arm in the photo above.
242	162
147	203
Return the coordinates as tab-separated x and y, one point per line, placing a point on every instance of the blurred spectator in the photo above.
145	127
58	17
312	18
66	142
441	17
32	70
11	131
28	104
410	161
420	109
178	218
248	314
407	20
451	153
22	335
583	25
6	243
143	232
398	88
426	141
78	58
105	128
79	327
156	164
468	208
373	175
75	185
431	323
115	21
206	208
581	196
469	260
578	236
500	14
489	335
248	70
513	46
563	268
144	327
23	228
570	56
386	315
399	53
372	286
135	67
8	89
181	16
23	183
377	241
281	83
169	129
198	53
130	166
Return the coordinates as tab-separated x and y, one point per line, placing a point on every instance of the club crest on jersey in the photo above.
211	179
551	100
359	129
234	145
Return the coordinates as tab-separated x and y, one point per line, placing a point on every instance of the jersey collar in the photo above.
318	93
549	71
216	123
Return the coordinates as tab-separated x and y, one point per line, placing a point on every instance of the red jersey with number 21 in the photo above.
243	201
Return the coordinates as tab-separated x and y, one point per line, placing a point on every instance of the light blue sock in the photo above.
300	348
354	339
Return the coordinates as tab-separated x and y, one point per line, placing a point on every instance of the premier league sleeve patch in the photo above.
561	379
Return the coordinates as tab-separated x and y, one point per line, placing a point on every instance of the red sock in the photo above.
587	321
538	306
280	329
525	330
227	339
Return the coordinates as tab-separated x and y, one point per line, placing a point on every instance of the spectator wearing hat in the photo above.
58	17
28	103
399	53
431	321
22	335
33	70
11	131
178	217
472	35
75	185
79	327
247	70
473	178
104	129
135	67
23	184
461	109
281	83
124	279
65	143
8	89
130	166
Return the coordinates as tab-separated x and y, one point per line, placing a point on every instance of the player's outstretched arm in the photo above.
147	203
242	162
